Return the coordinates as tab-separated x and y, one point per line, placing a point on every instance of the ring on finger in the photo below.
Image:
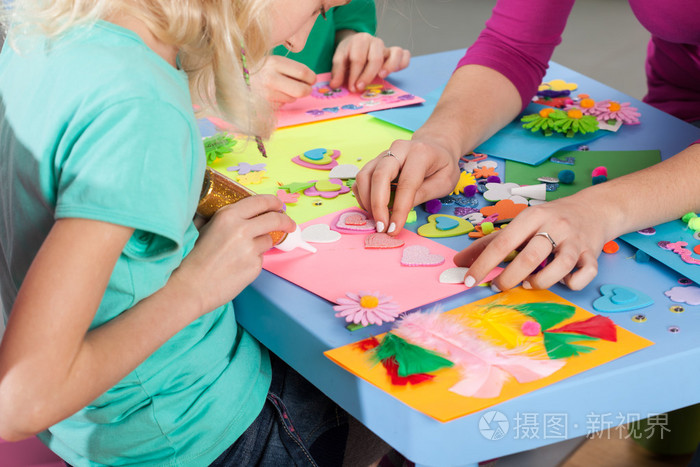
548	237
389	153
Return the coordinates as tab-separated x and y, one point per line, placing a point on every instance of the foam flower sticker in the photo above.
541	121
586	105
366	308
574	121
557	85
612	110
252	178
217	146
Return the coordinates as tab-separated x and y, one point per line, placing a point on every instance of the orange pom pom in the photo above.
574	113
587	103
614	106
611	247
544	113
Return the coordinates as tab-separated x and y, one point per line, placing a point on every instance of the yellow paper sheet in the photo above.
434	398
357	137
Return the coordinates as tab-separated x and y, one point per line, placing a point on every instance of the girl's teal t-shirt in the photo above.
358	15
96	125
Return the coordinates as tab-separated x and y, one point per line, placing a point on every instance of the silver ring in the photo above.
546	235
389	153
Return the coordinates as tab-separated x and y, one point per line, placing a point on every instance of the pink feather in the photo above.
485	366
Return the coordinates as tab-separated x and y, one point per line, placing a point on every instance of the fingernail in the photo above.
495	288
527	285
391	228
469	281
360	85
383	74
380	226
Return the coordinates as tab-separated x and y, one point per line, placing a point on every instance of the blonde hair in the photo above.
210	35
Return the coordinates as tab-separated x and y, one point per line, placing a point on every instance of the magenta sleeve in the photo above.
519	40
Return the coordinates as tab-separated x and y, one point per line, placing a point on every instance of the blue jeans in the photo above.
298	426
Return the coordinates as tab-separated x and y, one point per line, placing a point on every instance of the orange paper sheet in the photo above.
434	398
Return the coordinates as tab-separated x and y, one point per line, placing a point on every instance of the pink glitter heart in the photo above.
419	255
382	241
341	225
356	219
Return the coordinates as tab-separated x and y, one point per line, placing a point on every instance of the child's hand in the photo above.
361	57
228	254
282	80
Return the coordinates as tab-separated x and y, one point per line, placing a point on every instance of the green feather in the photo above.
547	314
412	359
560	345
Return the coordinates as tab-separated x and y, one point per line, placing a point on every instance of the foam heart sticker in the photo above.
456	275
375	241
419	255
433	230
445	223
356	219
617	298
332	163
356	216
344	171
320	233
316	154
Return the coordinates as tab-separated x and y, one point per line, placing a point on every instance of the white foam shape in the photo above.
689	295
483	164
535	202
474	218
469	166
453	275
344	171
517	199
320	233
498	191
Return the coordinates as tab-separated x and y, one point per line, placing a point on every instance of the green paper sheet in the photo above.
618	163
359	136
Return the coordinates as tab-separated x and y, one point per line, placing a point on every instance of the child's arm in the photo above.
52	365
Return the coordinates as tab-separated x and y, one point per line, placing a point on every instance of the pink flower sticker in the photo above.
366	308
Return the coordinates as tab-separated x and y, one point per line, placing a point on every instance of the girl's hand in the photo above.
228	254
574	226
283	80
360	57
425	171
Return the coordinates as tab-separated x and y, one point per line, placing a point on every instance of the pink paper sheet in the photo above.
311	108
346	266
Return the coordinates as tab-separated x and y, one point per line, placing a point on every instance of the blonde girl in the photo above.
121	346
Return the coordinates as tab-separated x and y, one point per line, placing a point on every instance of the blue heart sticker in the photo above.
617	298
316	154
445	223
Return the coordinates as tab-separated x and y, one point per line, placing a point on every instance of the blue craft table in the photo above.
299	326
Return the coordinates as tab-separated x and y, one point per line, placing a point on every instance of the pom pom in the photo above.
566	176
433	206
469	191
599	171
694	223
493	179
611	247
599	179
487	228
531	328
686	217
641	257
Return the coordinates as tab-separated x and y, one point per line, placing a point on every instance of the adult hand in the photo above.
228	253
425	170
577	230
282	80
360	57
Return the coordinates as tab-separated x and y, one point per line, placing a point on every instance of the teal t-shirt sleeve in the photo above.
358	15
131	165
